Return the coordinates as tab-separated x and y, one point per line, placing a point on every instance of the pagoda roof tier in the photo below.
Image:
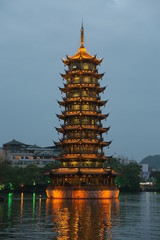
93	141
80	86
82	55
77	156
83	127
83	99
82	113
79	141
84	171
75	73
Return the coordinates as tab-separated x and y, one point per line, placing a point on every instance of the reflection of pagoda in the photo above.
84	218
82	174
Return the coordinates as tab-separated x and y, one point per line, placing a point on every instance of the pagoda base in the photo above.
82	193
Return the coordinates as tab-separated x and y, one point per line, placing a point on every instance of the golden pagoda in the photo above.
82	173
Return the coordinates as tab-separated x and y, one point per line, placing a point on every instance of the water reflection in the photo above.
34	203
40	208
21	213
9	207
29	216
83	219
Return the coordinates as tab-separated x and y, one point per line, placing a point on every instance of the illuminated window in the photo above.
76	80
85	107
86	80
85	66
17	157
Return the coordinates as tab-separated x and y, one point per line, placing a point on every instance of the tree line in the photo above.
33	177
29	178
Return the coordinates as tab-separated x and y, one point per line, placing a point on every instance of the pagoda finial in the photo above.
82	35
82	48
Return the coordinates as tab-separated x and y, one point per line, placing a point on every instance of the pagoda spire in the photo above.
82	48
82	35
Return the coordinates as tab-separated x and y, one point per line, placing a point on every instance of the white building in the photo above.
145	171
20	154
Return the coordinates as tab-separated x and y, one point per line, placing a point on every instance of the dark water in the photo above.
133	216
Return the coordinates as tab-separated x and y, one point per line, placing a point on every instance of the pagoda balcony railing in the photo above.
82	95
84	82
88	97
82	137
80	125
84	70
75	85
69	112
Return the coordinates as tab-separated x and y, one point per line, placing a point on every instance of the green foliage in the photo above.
156	176
31	175
114	164
6	175
129	179
28	176
50	166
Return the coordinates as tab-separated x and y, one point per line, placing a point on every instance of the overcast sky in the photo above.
36	34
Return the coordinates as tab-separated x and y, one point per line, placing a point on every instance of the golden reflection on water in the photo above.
39	208
83	219
21	213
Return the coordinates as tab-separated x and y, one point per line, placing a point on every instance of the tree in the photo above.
156	176
129	179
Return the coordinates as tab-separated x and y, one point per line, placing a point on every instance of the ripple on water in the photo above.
133	216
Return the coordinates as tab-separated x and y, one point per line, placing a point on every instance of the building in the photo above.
2	155
82	174
21	154
145	171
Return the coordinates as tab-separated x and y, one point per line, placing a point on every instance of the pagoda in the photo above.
82	173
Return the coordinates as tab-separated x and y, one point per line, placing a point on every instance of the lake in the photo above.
132	216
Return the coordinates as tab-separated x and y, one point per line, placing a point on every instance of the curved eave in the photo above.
105	144
82	85
60	130
62	89
60	116
62	103
104	130
56	143
80	156
83	99
103	116
81	55
102	103
71	114
83	127
101	89
79	141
